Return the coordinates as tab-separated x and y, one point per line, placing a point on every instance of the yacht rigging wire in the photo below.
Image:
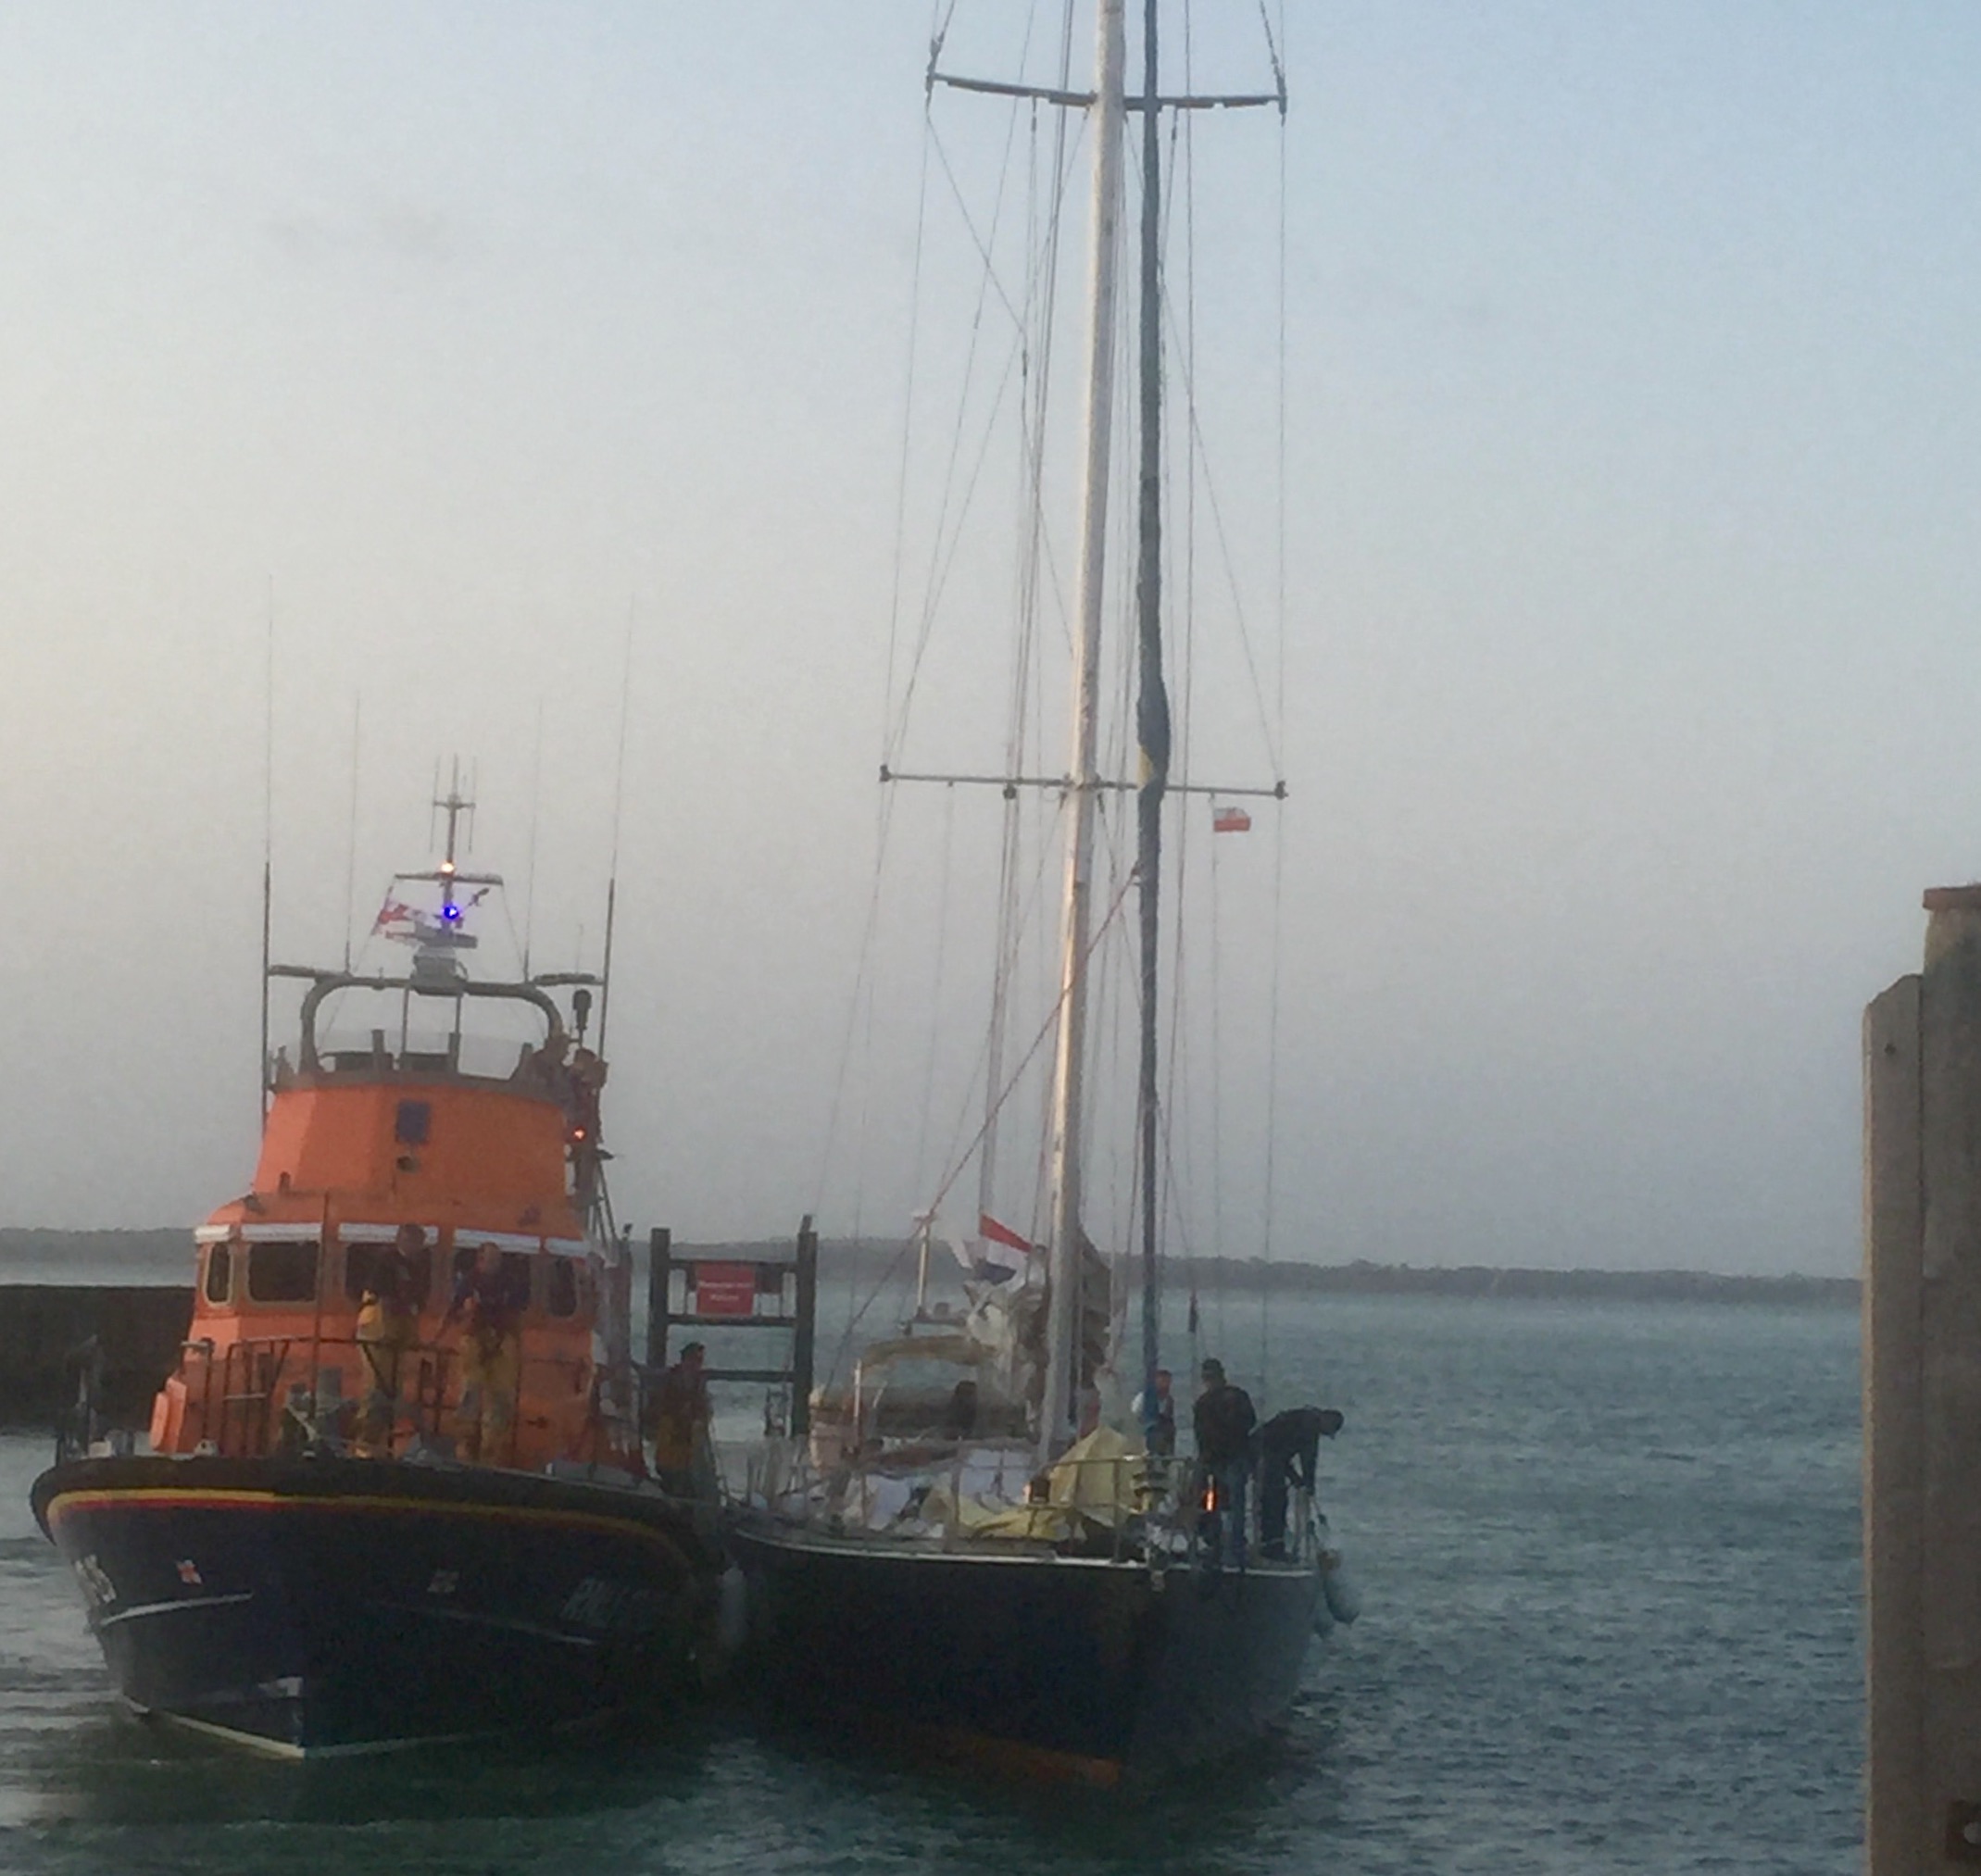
1026	371
1274	747
948	528
981	1067
1044	1033
937	1028
267	837
859	995
1040	290
985	244
894	714
907	398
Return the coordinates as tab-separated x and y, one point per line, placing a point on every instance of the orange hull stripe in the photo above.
168	1498
1010	1758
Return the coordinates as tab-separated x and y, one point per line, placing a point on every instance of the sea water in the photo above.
1609	1563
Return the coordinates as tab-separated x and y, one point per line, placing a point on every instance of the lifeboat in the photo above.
395	1492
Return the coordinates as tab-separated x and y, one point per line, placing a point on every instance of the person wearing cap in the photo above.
678	1417
1289	1447
1223	1421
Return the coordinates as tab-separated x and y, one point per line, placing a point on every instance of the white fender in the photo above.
1338	1588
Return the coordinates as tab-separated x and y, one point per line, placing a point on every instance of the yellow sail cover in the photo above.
1096	1482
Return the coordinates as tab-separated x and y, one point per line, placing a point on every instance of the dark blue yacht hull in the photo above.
1078	1666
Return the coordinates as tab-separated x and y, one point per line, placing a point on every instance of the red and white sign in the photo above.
725	1289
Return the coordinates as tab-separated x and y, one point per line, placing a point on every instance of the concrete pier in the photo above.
1922	1300
138	1329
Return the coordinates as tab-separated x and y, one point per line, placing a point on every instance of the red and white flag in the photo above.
988	1227
994	1255
1230	821
997	1254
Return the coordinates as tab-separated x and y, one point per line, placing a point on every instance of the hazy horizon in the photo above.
1630	661
845	1260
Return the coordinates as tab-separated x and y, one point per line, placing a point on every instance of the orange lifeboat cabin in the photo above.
408	1272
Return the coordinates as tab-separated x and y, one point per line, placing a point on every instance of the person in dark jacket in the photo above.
1223	1421
1289	1448
677	1417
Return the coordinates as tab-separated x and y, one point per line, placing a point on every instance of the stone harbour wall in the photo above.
44	1329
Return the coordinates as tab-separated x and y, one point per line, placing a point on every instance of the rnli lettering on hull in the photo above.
611	1607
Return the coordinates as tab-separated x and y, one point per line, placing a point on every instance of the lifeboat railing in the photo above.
264	1394
326	983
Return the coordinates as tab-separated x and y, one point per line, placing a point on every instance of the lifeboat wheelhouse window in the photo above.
361	1260
281	1272
412	1122
562	1293
219	1273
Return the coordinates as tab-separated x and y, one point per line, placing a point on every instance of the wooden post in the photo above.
620	1347
802	1336
1922	1402
1893	1207
659	1270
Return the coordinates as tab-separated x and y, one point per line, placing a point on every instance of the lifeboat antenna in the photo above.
268	835
536	805
618	799
454	804
350	843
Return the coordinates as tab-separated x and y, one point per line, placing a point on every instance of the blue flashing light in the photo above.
450	912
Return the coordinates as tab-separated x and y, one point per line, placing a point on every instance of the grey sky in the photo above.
1632	678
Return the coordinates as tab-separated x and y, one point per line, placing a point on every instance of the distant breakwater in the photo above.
164	1257
129	1289
872	1262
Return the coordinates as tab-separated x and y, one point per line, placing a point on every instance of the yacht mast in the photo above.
1056	1425
1152	701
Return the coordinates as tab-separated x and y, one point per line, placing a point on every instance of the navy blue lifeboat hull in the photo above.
323	1606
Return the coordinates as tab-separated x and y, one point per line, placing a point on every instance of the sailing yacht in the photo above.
958	1559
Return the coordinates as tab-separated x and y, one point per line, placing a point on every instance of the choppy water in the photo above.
1608	1561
